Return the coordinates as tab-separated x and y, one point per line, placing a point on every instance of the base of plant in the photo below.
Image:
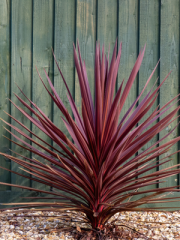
118	232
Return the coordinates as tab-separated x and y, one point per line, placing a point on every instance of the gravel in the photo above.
45	225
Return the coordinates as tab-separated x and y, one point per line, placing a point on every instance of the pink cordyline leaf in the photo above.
97	173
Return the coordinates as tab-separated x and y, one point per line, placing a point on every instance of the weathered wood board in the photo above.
149	35
86	35
5	55
21	46
43	31
169	53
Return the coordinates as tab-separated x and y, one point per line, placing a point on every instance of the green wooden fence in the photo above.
28	30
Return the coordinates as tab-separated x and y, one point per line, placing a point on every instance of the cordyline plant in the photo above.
99	172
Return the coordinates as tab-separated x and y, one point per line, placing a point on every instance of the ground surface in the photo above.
158	225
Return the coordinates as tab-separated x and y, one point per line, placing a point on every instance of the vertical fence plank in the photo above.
63	48
128	35
20	74
5	84
169	53
149	35
128	28
86	34
107	24
42	59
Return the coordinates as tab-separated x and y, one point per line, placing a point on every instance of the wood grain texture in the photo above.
20	74
42	59
86	34
107	24
4	90
63	48
149	35
169	52
128	35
